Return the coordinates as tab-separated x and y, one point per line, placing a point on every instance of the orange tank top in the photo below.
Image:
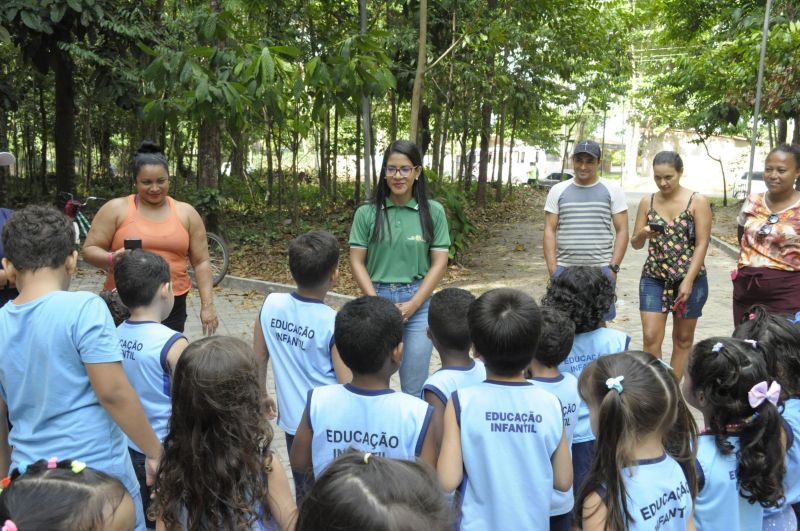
168	239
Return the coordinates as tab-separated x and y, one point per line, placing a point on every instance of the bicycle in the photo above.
217	248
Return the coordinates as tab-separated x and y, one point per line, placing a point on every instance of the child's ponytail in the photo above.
605	476
761	466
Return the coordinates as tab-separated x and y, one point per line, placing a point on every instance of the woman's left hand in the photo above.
407	309
208	317
684	290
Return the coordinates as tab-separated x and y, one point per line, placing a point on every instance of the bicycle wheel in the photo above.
220	259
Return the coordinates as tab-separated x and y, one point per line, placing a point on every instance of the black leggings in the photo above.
177	317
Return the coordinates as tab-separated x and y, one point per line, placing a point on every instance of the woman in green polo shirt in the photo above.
399	252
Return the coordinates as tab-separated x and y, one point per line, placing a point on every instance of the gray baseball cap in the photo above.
587	146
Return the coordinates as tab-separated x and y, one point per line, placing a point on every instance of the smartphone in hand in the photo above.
657	227
131	244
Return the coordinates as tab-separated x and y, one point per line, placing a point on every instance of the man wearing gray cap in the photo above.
586	220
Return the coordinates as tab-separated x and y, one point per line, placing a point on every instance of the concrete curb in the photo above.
725	247
259	286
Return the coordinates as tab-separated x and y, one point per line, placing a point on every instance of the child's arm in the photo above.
562	465
450	467
262	356
5	449
429	452
121	402
174	353
437	419
281	502
595	513
343	373
690	523
300	457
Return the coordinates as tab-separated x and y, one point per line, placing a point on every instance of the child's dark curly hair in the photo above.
583	293
59	496
213	468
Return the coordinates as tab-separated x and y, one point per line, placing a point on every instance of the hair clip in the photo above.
52	462
77	466
366	458
5	482
796	319
752	342
615	384
665	364
717	347
759	392
8	525
23	467
751	317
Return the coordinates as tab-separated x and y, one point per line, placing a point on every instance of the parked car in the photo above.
756	185
552	179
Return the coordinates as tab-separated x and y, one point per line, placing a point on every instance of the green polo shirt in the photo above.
404	256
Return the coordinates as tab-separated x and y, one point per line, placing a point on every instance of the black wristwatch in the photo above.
614	267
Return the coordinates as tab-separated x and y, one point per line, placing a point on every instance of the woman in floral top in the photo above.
677	223
768	271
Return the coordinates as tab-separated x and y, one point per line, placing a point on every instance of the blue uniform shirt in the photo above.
509	432
381	422
443	382
299	336
565	388
719	504
658	495
145	345
586	348
791	481
44	347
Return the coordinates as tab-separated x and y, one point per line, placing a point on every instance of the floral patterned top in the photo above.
669	255
770	239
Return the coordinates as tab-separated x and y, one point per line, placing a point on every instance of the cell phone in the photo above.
657	227
131	244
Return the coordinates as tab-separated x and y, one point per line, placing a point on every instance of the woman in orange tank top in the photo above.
169	228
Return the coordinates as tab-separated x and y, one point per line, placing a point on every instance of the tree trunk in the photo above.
209	160
422	61
446	124
470	161
462	164
357	196
270	174
499	179
279	160
324	132
483	162
335	162
366	111
796	129
63	69
511	150
393	119
5	171
437	141
783	130
104	147
43	130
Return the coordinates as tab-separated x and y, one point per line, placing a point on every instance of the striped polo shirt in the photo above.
585	232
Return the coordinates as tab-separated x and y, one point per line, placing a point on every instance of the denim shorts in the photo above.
652	289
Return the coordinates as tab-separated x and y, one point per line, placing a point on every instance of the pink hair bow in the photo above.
9	526
760	392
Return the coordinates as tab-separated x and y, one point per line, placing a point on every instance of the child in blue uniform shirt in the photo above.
740	453
295	330
643	474
504	445
448	329
150	349
555	343
778	339
365	414
584	294
61	374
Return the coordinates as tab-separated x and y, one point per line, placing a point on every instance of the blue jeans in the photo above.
138	460
417	347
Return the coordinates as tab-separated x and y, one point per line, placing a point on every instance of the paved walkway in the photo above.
524	270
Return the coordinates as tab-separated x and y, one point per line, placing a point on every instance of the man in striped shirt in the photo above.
586	220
